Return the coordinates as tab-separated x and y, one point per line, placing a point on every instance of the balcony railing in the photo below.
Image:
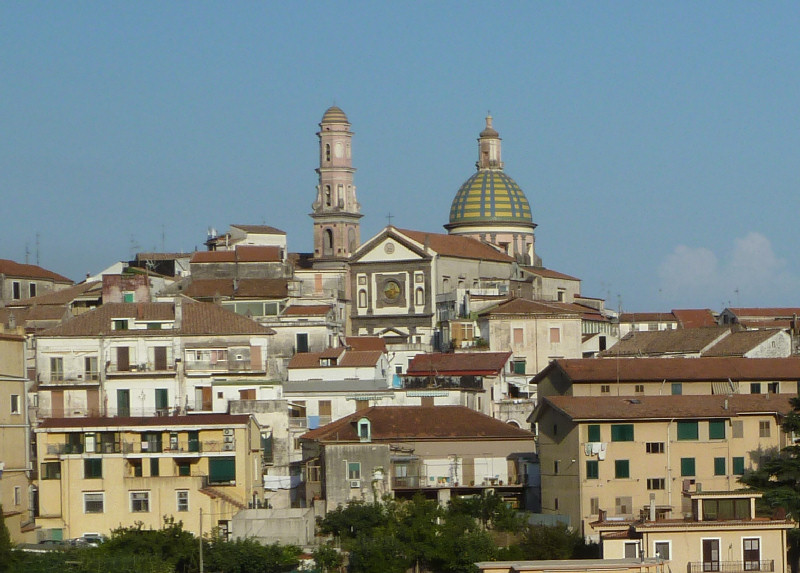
298	422
731	566
183	447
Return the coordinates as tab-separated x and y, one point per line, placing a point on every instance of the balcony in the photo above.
189	448
731	566
298	423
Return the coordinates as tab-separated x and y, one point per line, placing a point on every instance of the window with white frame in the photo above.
183	499
140	501
354	470
56	369
15	404
662	550
17	495
93	502
362	299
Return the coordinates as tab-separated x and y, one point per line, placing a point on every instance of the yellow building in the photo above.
723	533
613	454
97	474
15	451
575	566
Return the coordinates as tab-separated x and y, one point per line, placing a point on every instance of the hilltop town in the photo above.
264	388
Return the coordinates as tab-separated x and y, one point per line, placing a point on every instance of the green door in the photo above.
162	401
123	402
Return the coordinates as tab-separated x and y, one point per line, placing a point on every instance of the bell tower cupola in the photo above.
336	211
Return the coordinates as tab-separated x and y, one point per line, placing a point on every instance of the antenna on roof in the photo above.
37	249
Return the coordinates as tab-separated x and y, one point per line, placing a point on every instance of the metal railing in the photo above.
767	565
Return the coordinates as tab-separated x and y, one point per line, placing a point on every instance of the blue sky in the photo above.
658	143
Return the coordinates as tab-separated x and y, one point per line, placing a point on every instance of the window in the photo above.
719	466
605	388
16	291
93	468
656	483
662	550
154	326
140	501
687	430
32	291
57	369
90	368
362	299
752	553
93	502
183	499
419	297
714	509
354	470
755	387
687	467
17	495
184	469
737	429
90	444
154	467
623	505
772	387
15	407
738	466
222	470
594	505
593	433
518	336
518	366
120	324
763	429
364	433
639	389
622	469
621	432
51	470
677	388
555	467
716	429
631	549
127	296
555	335
592	469
654	447
302	341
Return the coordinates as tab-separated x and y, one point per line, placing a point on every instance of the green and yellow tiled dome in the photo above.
488	196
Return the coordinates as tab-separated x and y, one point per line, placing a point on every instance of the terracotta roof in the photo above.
63	296
345	358
152	421
630	317
245	288
521	306
365	343
199	318
694	318
593	370
45	312
549	273
457	246
458	364
18	270
739	343
778	312
242	254
766	323
677	341
640	407
260	229
419	422
309	310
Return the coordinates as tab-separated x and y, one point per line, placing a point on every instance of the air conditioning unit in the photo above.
355	483
228	447
227	432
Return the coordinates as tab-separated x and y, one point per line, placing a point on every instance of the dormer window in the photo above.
364	430
120	324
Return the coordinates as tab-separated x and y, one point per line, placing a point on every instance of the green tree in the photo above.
327	559
542	542
347	522
250	556
6	553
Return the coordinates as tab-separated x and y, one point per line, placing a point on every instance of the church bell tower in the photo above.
336	212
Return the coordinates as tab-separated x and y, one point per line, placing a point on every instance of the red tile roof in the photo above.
741	342
642	407
309	310
242	254
522	306
260	229
630	317
152	421
457	246
245	288
592	370
18	270
777	312
345	358
162	256
390	423
62	296
549	273
694	318
673	341
365	343
198	318
458	364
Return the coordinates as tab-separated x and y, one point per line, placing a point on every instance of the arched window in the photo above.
446	285
327	195
419	297
362	299
327	242
327	152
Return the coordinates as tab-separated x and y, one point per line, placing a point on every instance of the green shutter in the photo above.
592	469
687	430
738	466
677	388
687	467
622	432
222	470
622	469
594	433
716	429
719	466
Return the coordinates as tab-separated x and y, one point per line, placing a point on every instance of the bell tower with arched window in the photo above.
336	212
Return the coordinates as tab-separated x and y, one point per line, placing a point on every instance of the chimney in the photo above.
652	507
178	312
